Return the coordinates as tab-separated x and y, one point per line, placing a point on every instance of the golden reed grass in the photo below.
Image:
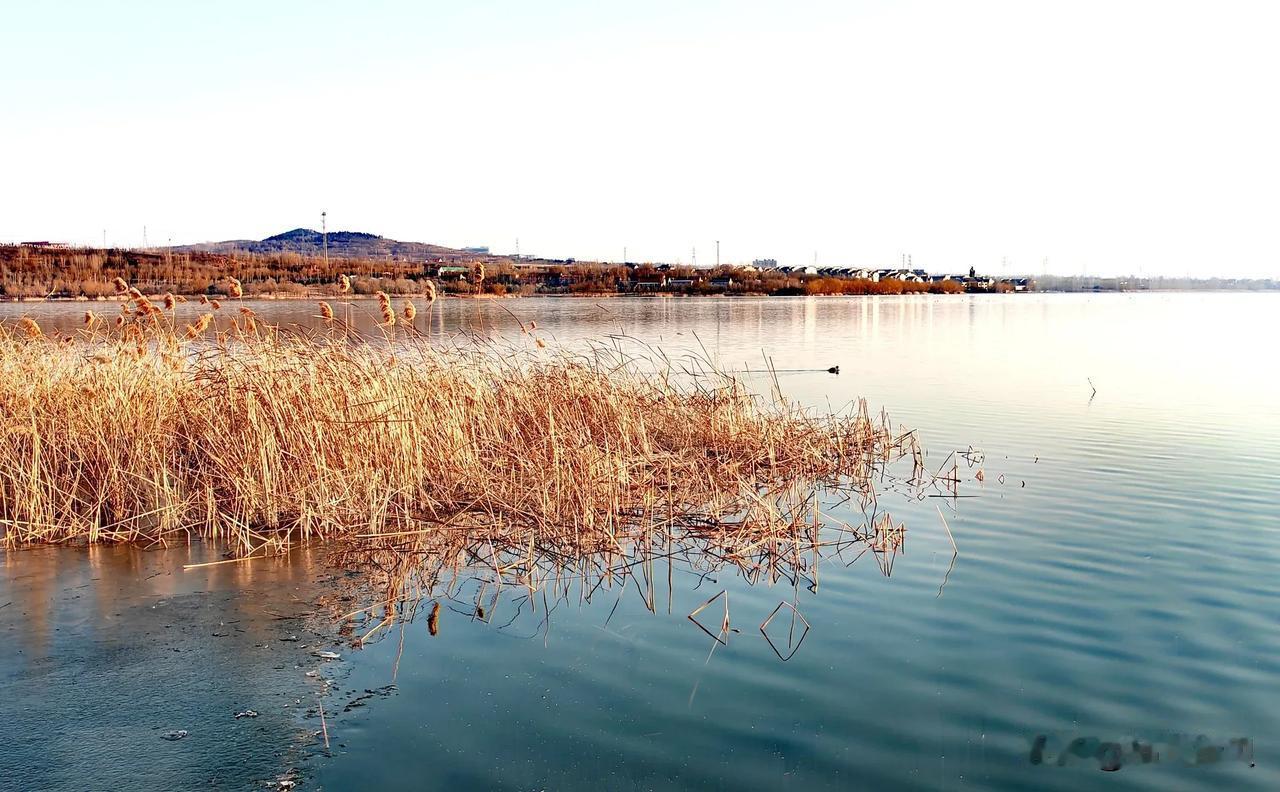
257	438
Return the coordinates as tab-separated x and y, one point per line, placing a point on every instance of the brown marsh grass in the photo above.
231	430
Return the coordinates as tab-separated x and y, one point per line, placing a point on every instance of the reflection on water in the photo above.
782	544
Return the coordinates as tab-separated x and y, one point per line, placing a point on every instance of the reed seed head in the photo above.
195	329
384	305
29	327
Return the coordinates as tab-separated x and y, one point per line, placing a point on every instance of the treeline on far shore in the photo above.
32	272
28	272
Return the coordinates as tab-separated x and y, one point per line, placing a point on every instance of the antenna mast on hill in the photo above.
324	239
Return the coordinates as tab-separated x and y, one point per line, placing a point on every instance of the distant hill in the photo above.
342	244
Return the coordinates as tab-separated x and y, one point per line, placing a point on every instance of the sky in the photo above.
1078	137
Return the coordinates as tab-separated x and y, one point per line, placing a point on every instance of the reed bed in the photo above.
150	430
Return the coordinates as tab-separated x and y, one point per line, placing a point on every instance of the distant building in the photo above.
453	272
46	244
479	251
765	263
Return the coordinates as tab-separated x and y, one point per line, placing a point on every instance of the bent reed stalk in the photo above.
257	437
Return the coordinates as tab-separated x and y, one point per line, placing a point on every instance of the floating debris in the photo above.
246	714
433	621
174	736
327	655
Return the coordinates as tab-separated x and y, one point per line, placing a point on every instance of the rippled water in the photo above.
1119	583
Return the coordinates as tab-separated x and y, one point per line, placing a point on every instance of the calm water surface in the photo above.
1116	576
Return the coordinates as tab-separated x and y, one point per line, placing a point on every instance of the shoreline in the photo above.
286	297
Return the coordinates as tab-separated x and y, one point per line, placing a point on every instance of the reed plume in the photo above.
410	312
384	305
430	289
170	302
326	311
30	328
344	284
120	286
197	328
234	289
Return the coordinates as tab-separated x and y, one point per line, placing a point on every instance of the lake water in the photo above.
1116	577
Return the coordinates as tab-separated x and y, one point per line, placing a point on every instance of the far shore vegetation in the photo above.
46	271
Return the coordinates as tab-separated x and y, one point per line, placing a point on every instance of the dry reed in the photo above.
261	439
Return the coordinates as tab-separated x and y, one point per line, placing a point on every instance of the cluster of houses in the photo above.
972	281
557	275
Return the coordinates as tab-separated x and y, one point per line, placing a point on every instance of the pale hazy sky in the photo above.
1110	137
